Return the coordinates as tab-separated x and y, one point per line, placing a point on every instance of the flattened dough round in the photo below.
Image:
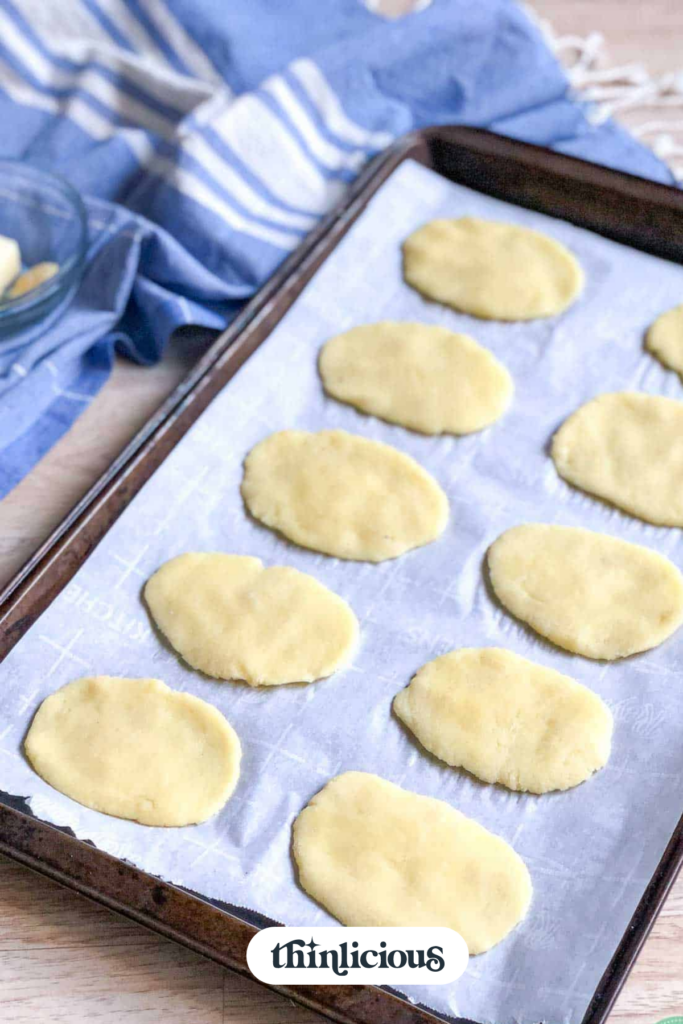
230	617
342	494
665	339
507	720
627	448
425	378
492	270
377	855
135	749
587	592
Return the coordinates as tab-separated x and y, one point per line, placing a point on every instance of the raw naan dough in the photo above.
627	448
231	618
492	270
507	720
665	339
377	855
343	495
587	592
135	749
425	378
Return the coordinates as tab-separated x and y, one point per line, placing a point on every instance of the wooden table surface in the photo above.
63	959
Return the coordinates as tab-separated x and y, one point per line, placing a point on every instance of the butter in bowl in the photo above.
43	239
14	281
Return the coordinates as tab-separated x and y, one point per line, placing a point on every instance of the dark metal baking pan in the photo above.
638	213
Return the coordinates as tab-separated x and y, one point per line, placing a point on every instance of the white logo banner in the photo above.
357	956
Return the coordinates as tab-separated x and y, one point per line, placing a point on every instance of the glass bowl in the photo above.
47	218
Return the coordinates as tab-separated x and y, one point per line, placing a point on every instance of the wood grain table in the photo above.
63	959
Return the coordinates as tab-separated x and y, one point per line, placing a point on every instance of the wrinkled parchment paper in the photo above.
590	851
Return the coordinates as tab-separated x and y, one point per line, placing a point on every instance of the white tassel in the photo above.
611	90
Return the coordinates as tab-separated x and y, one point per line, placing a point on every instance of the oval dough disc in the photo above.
231	618
665	339
377	855
587	592
507	720
425	378
343	495
135	749
628	449
492	270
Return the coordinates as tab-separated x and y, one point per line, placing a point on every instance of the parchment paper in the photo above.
590	851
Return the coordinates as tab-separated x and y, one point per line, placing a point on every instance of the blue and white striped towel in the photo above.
211	136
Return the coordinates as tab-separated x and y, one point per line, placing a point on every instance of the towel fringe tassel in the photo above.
628	88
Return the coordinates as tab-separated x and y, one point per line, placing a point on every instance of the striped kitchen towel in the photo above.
210	136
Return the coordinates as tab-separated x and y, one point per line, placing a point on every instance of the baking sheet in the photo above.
591	851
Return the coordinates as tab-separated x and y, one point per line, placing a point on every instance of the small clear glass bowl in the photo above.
47	218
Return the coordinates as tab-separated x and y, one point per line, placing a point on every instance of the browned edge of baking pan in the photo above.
183	916
627	209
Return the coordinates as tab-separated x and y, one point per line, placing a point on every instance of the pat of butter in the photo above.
10	261
33	277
